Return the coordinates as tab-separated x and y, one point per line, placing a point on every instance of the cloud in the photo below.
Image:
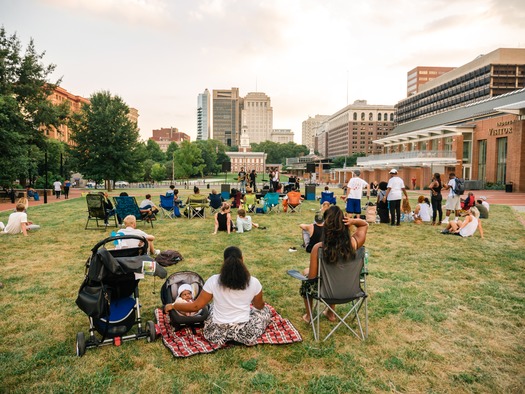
151	13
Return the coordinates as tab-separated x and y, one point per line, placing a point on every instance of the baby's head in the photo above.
185	292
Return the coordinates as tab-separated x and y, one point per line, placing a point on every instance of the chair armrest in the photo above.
296	274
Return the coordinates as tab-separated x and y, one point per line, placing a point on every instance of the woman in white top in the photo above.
231	317
467	227
423	211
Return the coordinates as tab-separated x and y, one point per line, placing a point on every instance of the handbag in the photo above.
93	300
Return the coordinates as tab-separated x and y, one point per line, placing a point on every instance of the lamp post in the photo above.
45	177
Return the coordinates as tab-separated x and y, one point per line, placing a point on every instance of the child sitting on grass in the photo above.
244	223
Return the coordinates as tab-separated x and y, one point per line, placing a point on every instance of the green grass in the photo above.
446	314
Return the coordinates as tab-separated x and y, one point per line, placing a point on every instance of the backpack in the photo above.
460	186
168	257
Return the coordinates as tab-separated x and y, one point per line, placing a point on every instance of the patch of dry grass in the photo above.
446	314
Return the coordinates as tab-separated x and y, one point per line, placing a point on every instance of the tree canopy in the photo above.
188	160
106	139
278	153
25	111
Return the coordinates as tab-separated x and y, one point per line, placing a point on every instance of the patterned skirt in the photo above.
245	333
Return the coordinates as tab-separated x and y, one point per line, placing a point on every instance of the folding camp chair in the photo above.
127	205
196	208
215	202
328	196
250	202
96	210
271	202
338	284
166	206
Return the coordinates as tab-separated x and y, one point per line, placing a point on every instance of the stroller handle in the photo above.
144	248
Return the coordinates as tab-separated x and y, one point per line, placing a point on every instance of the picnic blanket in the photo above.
185	342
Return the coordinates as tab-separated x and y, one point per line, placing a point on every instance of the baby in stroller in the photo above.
185	295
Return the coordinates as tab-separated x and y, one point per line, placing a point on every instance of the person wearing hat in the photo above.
484	202
185	294
355	191
394	193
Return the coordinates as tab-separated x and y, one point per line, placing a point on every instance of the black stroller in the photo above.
109	294
169	293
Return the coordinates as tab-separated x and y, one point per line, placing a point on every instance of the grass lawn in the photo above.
446	314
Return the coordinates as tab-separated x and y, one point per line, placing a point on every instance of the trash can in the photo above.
309	192
508	187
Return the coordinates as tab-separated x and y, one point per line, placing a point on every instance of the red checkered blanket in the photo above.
185	343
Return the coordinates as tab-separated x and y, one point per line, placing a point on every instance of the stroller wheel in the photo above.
81	344
152	333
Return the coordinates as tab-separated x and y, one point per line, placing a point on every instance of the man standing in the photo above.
355	192
242	180
453	199
275	179
394	193
57	185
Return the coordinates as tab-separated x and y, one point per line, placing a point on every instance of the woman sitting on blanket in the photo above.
337	246
231	317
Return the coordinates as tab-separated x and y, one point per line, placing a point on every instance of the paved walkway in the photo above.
497	197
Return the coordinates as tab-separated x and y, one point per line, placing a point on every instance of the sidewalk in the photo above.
6	205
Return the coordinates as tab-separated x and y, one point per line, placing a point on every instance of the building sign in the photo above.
502	128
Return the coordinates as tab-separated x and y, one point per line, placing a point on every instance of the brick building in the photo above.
165	136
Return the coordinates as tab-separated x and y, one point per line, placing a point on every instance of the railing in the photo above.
406	156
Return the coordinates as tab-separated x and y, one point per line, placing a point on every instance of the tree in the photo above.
278	153
106	139
154	152
350	161
25	112
209	149
188	160
158	172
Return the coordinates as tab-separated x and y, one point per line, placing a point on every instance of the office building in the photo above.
353	129
421	75
203	115
257	116
309	129
281	136
227	106
496	73
165	136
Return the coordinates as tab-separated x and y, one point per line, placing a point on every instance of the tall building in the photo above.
309	131
227	106
353	129
498	72
470	121
257	117
165	136
421	75
281	136
58	96
203	115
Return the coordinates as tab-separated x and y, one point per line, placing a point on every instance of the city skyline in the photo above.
309	58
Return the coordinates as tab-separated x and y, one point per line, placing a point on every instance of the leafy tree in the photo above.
209	149
278	153
172	147
154	152
147	169
351	161
188	160
106	139
25	112
158	172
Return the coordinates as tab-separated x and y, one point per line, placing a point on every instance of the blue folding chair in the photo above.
271	202
328	196
166	206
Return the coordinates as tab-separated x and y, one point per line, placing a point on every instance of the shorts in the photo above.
453	203
353	205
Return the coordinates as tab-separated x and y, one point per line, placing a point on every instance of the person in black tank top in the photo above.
436	198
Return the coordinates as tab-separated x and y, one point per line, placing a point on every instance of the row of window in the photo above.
380	116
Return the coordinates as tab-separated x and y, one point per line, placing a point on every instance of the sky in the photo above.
310	56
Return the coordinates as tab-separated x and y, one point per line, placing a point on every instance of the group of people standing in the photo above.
247	179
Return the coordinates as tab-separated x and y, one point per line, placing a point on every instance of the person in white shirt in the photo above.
394	193
57	185
130	223
453	200
354	193
466	227
423	211
244	223
17	222
238	312
484	202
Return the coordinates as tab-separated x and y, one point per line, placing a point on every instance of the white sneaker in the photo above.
445	221
2	226
157	252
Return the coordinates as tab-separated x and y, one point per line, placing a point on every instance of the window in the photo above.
370	116
355	115
362	116
379	116
392	117
482	160
501	169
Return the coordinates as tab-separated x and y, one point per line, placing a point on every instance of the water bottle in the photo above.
365	266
